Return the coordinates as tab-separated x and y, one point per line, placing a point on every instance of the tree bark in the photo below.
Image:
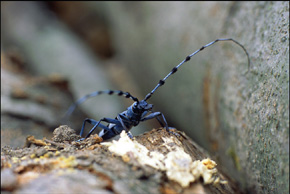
64	165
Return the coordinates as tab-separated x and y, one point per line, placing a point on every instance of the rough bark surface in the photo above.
62	165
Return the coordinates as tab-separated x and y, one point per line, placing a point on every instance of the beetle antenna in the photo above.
161	82
96	93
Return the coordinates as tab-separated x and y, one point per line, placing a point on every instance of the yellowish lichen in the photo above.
15	160
24	158
210	164
65	162
57	153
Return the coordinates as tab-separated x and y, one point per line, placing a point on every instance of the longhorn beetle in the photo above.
139	110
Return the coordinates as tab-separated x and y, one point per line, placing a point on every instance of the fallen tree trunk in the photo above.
155	162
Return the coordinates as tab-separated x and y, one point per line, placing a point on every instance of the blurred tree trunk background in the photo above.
242	119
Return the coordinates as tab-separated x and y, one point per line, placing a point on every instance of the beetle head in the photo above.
141	106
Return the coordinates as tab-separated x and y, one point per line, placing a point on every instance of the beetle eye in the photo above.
135	107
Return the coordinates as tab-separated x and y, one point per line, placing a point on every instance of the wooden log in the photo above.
154	162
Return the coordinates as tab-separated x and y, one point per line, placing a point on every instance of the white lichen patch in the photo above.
177	164
125	145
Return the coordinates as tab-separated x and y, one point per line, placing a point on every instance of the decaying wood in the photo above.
155	162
